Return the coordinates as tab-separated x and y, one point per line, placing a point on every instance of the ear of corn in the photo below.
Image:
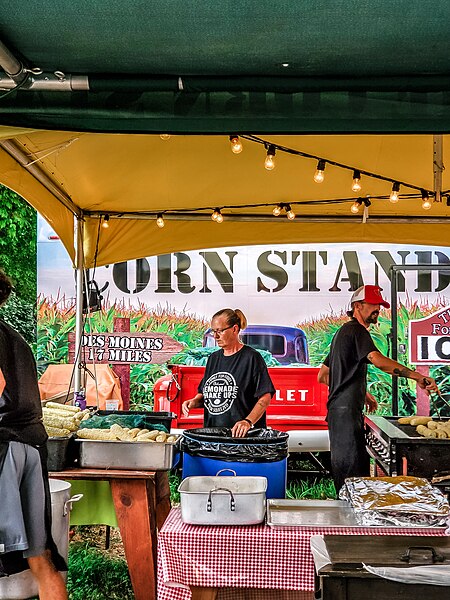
58	421
57	432
66	407
96	434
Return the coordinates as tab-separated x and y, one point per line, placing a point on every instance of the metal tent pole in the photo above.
79	233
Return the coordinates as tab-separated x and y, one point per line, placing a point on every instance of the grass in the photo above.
93	575
316	488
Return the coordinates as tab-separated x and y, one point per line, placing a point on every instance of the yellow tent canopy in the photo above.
131	178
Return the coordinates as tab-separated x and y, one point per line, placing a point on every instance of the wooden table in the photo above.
142	503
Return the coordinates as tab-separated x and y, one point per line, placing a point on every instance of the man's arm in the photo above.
323	375
394	368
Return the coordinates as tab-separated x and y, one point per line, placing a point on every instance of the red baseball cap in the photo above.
370	294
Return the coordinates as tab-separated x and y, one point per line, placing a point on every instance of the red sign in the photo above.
125	348
429	339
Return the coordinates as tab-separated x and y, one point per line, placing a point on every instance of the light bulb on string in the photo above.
356	186
277	210
319	175
164	136
160	221
289	212
236	144
355	206
105	223
426	202
269	163
394	192
217	216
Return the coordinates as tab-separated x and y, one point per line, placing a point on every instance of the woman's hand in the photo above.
240	429
186	407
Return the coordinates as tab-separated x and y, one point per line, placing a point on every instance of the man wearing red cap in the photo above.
344	370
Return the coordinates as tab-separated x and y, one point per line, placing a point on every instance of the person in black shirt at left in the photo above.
25	503
236	388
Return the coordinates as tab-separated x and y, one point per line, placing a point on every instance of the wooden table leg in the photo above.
137	528
203	593
162	490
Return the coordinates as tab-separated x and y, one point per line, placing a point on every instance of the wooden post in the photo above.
123	371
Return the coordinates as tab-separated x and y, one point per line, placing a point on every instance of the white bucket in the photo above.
24	585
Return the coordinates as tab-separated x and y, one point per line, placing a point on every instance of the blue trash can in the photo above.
276	472
263	453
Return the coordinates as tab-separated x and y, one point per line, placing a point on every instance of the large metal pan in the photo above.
223	500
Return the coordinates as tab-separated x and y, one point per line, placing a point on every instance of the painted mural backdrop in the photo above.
308	286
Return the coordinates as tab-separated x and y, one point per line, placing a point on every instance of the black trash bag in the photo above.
259	445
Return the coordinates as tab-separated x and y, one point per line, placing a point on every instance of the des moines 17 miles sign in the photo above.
429	339
125	348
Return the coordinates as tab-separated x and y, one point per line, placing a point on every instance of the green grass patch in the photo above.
316	488
95	576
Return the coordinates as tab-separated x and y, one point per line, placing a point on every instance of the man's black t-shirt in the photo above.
232	385
347	362
20	404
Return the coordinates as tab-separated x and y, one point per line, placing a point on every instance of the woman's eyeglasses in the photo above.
220	331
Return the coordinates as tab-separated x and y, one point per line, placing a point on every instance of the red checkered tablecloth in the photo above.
255	556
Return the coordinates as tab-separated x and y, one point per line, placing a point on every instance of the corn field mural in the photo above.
56	319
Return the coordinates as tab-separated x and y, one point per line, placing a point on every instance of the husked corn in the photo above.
161	438
67	407
133	432
56	432
422	430
120	433
56	421
96	434
144	437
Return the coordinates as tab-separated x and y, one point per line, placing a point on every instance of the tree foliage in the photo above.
18	260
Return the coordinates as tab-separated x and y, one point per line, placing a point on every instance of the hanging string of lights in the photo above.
271	149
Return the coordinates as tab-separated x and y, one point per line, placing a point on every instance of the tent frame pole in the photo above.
79	326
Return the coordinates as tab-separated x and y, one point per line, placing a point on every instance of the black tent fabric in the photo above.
257	65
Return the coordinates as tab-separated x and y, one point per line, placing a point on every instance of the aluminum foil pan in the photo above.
396	501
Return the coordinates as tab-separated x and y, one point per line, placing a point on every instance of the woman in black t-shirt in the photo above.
236	388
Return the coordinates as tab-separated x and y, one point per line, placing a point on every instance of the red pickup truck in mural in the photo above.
298	407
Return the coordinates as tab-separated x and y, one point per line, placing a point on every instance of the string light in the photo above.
426	202
319	175
236	144
217	216
289	212
160	220
269	163
356	186
105	223
164	136
394	193
277	210
355	206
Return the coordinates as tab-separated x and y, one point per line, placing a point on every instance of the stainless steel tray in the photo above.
310	513
317	513
146	456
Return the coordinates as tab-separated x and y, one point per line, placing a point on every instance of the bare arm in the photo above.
195	402
323	375
241	427
394	368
